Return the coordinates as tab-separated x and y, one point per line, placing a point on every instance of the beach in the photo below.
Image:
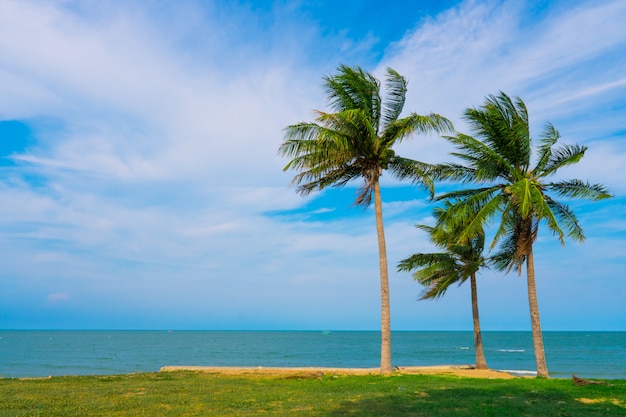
318	372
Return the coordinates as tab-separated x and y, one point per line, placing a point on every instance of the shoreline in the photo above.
454	370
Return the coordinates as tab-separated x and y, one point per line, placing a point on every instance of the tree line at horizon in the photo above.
355	142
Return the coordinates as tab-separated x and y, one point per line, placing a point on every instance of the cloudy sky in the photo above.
140	186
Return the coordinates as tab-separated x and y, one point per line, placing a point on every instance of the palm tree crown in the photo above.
356	141
458	262
499	156
438	271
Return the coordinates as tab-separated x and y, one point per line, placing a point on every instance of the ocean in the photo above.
30	353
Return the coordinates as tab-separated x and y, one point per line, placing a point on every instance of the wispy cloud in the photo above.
565	62
58	297
156	126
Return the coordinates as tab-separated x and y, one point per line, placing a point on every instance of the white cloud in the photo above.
137	111
567	67
58	298
155	162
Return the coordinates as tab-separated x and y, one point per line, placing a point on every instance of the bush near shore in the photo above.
187	393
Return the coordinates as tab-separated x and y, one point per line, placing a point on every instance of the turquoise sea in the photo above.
33	353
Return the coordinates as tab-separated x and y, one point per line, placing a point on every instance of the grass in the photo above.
204	394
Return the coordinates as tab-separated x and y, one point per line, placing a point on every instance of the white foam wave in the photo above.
512	350
520	372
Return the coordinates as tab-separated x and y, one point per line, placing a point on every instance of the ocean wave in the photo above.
512	350
463	348
519	372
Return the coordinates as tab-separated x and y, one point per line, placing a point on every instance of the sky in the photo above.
140	185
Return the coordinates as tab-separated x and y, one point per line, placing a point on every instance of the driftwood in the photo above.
583	381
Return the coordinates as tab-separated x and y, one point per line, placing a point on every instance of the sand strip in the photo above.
456	370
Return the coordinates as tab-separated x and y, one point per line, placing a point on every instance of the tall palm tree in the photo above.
355	141
438	271
499	156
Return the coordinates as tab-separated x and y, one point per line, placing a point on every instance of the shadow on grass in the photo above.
485	402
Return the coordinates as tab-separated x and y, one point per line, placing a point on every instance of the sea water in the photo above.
32	353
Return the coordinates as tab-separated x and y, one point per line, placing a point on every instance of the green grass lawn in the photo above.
204	394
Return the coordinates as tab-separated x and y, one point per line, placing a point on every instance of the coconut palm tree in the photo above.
499	157
438	271
355	141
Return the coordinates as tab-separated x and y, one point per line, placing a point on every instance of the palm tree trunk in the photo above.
535	322
385	322
481	362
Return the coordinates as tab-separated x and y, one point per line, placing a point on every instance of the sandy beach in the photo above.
311	372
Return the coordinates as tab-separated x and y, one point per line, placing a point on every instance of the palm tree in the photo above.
356	141
499	156
438	271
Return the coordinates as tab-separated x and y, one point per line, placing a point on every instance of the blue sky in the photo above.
140	186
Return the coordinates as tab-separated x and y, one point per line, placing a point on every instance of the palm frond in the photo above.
454	172
549	137
399	129
303	137
518	241
486	192
425	227
503	126
511	121
437	288
487	163
327	152
579	189
547	213
353	123
420	260
353	88
505	258
396	96
468	213
364	192
315	179
565	216
414	171
505	224
436	271
561	157
526	197
480	214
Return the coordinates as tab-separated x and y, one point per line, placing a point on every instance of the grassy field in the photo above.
205	394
